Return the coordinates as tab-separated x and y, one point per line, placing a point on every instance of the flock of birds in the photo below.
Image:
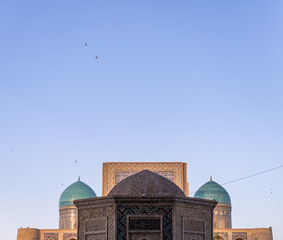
96	57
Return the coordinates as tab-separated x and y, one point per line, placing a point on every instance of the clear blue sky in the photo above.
193	81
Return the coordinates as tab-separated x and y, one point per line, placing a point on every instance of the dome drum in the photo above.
67	209
222	212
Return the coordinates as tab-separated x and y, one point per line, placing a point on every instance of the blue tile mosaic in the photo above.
124	211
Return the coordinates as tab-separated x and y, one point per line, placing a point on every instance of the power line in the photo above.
253	175
269	170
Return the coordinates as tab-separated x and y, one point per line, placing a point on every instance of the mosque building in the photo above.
222	219
118	172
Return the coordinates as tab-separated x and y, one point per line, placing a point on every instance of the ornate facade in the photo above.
100	219
145	212
115	172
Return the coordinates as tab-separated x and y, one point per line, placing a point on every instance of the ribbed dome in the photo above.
77	190
213	191
146	183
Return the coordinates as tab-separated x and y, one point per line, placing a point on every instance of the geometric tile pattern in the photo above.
176	171
69	235
124	211
53	236
190	225
190	220
88	217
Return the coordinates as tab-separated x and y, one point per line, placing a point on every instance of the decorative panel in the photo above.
69	236
114	172
192	222
193	229
124	211
96	221
190	225
144	224
121	175
95	224
53	236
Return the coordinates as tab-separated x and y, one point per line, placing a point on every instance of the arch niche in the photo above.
218	237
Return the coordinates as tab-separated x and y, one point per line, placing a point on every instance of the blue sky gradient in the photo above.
192	81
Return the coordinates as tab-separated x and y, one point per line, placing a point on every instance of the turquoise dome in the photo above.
213	191
77	190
